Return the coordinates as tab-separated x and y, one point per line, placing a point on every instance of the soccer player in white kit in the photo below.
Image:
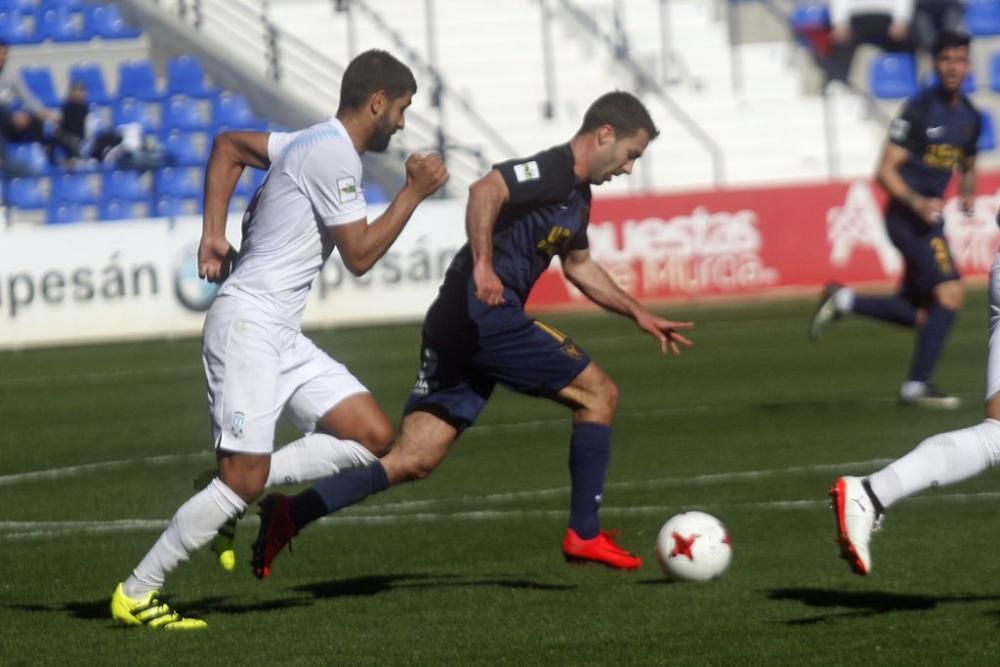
258	363
946	458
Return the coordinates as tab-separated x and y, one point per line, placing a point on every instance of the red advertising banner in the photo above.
754	241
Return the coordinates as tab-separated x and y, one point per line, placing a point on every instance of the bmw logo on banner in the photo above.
193	292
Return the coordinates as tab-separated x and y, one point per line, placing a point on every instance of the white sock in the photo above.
843	300
193	525
314	456
939	460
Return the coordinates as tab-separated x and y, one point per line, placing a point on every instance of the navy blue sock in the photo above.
589	453
336	492
930	341
886	308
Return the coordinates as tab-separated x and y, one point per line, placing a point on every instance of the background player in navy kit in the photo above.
935	133
477	334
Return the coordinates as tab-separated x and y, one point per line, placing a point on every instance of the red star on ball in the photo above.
682	545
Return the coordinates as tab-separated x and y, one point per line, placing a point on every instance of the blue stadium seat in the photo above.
183	113
982	17
180	182
58	214
185	76
122	209
130	110
246	186
185	148
26	159
233	112
968	84
93	78
62	24
988	134
137	78
27	193
17	27
75	188
107	22
38	79
125	184
54	4
892	76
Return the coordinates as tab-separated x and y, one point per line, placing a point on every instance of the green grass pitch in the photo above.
99	445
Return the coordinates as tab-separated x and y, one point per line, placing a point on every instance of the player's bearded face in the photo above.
391	120
618	157
951	66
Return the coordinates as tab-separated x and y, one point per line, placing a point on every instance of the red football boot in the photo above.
276	530
598	549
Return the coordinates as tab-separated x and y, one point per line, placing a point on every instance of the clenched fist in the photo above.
426	173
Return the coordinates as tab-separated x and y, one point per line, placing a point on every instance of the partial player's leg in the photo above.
942	459
535	359
424	441
594	399
344	427
244	407
443	402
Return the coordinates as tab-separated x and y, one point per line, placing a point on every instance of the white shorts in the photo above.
993	356
258	369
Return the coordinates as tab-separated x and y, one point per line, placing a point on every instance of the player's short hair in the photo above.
622	111
370	72
950	39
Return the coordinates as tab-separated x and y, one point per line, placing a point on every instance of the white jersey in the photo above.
314	182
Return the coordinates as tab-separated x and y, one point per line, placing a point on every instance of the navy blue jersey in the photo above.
938	136
545	215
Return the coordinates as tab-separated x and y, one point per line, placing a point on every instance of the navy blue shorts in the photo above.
926	255
469	348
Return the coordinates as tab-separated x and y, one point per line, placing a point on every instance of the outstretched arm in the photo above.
231	153
597	285
361	244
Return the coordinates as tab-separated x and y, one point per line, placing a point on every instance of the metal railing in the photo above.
648	81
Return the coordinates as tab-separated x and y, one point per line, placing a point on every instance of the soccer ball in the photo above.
693	546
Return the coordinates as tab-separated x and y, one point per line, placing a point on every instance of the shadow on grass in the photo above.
827	404
375	584
99	609
864	604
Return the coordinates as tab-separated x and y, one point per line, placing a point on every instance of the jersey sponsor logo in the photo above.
527	171
859	224
942	156
347	189
899	129
555	241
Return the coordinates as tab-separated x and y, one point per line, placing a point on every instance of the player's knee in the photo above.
950	295
608	394
379	438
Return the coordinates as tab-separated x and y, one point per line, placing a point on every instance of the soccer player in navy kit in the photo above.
476	334
935	133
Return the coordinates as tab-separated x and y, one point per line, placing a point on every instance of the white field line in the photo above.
11	531
103	466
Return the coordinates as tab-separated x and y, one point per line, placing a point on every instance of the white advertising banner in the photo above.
125	280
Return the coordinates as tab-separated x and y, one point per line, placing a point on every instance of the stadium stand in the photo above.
750	107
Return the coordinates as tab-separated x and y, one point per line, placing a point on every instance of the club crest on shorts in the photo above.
239	421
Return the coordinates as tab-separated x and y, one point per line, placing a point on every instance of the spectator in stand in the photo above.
882	23
79	133
24	124
931	17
